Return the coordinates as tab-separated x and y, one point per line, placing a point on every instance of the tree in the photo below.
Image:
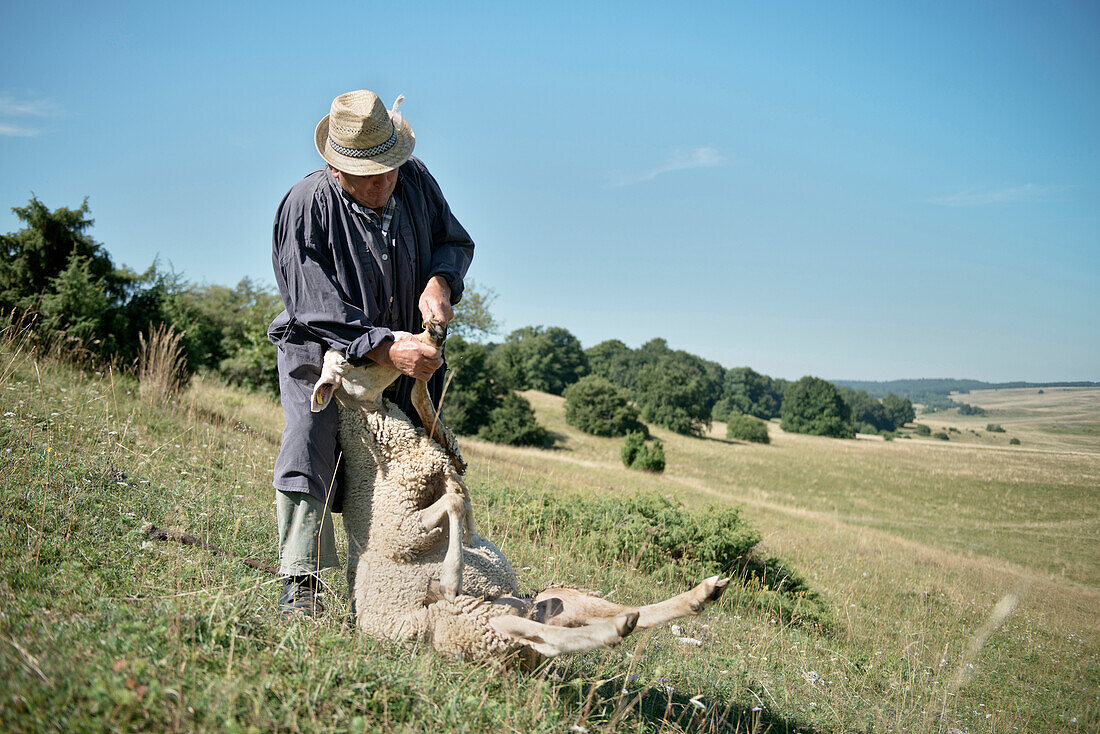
899	410
76	301
33	257
867	412
747	391
473	320
540	358
473	392
594	405
614	361
513	422
814	406
673	392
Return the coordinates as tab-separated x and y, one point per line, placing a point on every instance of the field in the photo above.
961	579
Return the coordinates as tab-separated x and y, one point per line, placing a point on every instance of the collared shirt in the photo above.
349	277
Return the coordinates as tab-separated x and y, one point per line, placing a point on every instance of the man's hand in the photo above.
435	302
408	355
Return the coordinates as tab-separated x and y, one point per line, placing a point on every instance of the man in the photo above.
362	249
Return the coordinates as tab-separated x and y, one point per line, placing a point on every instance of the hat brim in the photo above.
381	163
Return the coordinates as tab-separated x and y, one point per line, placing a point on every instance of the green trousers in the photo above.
306	541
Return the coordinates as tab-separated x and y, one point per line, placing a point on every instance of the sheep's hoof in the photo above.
450	584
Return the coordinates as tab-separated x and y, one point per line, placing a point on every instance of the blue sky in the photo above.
850	190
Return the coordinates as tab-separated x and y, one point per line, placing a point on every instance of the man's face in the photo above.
370	191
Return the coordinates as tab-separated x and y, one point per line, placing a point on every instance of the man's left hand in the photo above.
435	302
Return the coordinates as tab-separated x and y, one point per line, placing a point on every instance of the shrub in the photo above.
994	428
941	436
658	536
923	430
1013	442
513	423
651	457
594	405
888	435
747	428
814	406
967	409
637	453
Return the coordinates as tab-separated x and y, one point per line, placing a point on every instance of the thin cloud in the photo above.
14	107
678	161
11	107
1008	195
15	131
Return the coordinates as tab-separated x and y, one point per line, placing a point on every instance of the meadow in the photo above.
959	579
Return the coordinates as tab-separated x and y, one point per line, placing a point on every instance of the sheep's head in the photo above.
364	383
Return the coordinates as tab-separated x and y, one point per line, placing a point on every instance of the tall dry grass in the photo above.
162	365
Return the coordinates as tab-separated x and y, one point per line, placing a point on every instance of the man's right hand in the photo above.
409	356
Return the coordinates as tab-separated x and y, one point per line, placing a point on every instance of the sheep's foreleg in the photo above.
551	641
422	401
568	607
452	508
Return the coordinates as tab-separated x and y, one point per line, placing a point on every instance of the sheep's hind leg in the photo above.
452	508
570	607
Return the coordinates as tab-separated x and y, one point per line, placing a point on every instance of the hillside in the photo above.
912	545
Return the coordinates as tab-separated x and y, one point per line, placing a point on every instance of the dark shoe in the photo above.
300	596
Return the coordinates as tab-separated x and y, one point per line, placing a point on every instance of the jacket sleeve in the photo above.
312	294
452	248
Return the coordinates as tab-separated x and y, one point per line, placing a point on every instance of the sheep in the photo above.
417	568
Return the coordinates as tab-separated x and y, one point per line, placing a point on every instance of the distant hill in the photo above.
943	386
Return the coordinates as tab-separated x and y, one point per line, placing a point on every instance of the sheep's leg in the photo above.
452	508
570	607
551	640
422	401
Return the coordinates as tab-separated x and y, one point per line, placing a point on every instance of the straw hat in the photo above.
361	137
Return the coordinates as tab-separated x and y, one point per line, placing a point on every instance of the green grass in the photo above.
910	545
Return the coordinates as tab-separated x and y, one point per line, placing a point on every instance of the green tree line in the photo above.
53	271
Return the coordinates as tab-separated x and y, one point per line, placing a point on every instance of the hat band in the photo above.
364	152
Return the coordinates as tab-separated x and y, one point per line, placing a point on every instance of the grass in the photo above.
911	544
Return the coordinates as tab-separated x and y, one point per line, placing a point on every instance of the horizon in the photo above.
864	191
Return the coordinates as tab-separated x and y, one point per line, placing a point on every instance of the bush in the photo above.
888	435
1013	442
967	409
656	535
923	430
513	423
594	405
637	453
747	428
994	428
814	406
941	436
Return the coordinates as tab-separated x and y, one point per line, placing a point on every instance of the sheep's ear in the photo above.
322	393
